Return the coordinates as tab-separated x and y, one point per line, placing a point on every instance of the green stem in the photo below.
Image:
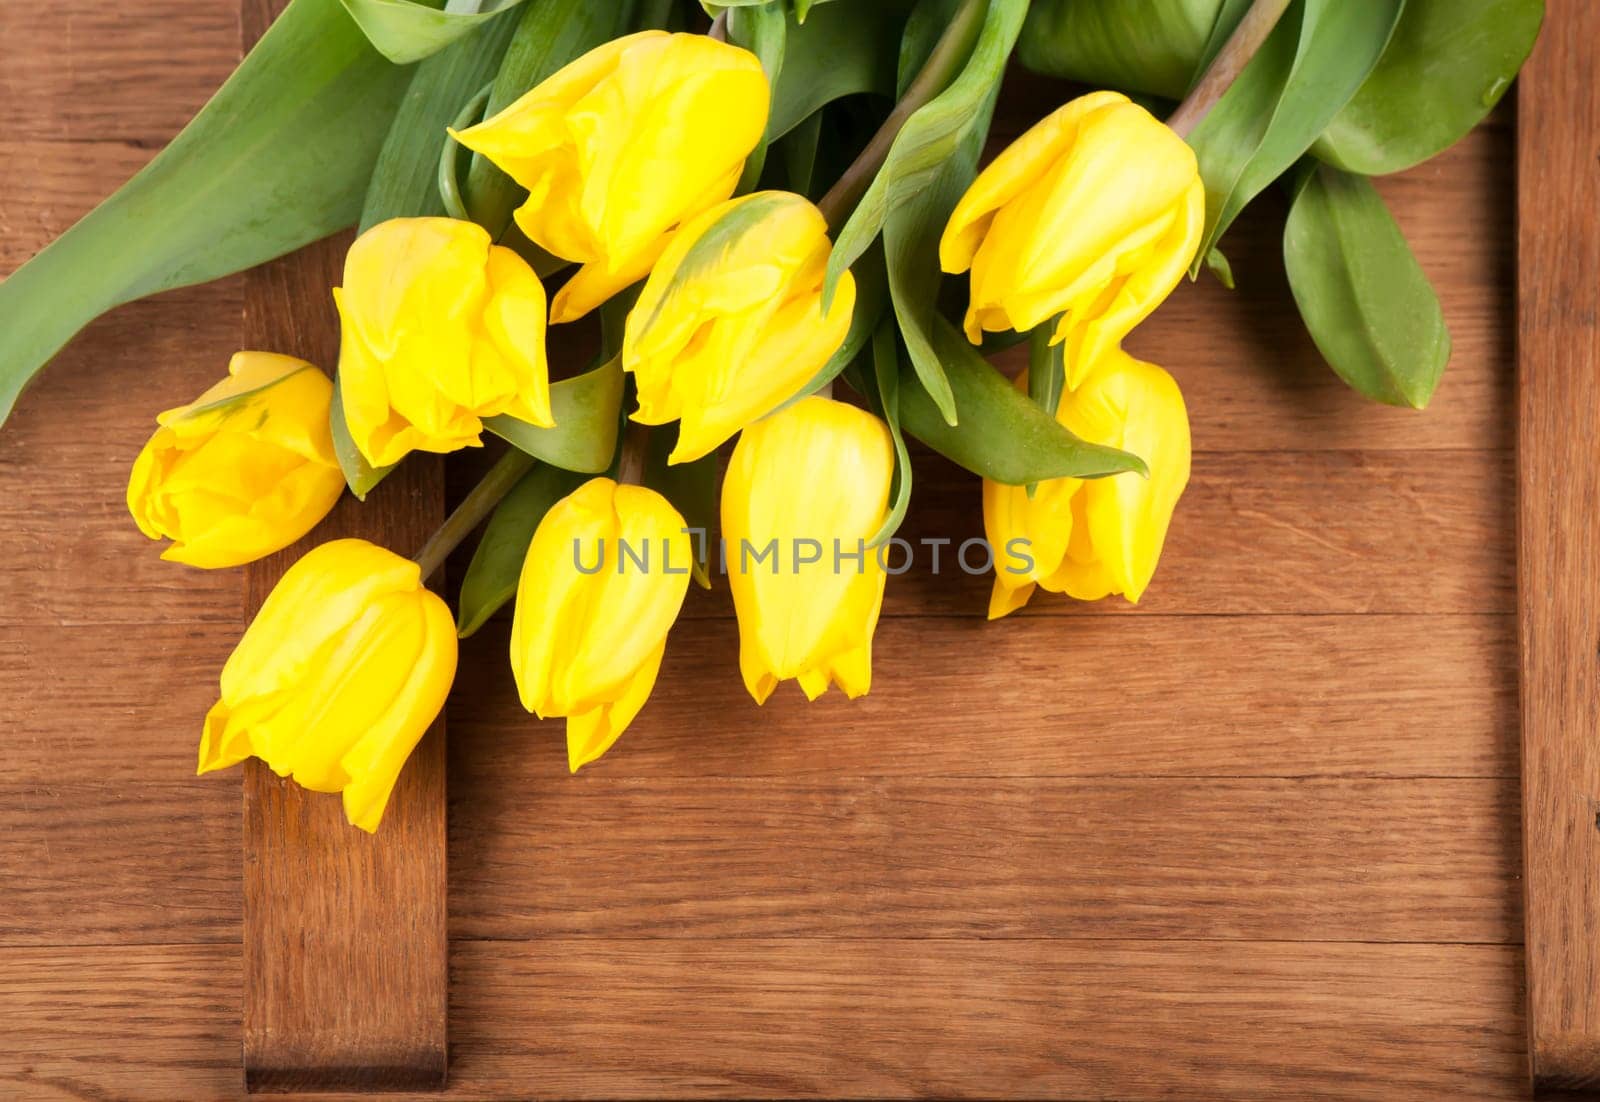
1225	68
476	506
935	75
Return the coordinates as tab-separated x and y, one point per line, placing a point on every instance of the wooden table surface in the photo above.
1257	838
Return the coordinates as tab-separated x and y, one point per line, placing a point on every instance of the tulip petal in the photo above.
591	733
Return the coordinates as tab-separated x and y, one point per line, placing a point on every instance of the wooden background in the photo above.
1256	839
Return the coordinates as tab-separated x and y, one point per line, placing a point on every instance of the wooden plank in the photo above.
987	857
345	945
1339	696
345	963
1443	688
1558	110
988	1019
172	875
83	70
886	1018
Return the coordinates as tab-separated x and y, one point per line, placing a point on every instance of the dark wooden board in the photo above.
345	942
1558	363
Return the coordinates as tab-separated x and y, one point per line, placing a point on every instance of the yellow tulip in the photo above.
440	329
804	492
244	470
1090	538
338	678
629	140
602	583
1093	214
729	325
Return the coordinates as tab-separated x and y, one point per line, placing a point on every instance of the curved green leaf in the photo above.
841	50
1003	435
911	235
1309	67
586	410
1364	298
886	375
403	180
405	31
491	578
764	32
1448	64
294	132
1152	46
931	136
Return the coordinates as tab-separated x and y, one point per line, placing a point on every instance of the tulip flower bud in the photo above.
730	325
244	470
602	583
1090	538
1093	214
339	676
440	329
631	139
805	490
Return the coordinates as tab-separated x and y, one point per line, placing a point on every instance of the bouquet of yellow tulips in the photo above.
758	205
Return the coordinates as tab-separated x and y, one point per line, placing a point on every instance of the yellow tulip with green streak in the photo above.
339	676
440	329
1092	538
602	583
812	481
628	141
1094	214
730	324
244	470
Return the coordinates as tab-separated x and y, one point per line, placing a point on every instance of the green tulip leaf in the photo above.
841	50
911	235
403	184
1448	64
586	409
492	576
934	133
764	32
1152	47
405	31
886	376
280	157
548	36
1047	369
691	488
872	298
1367	303
359	475
1309	67
1003	435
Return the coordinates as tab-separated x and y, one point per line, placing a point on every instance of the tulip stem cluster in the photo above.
948	55
1225	68
473	510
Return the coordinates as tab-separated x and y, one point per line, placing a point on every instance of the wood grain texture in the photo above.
345	940
1272	696
345	959
1559	546
875	1018
1071	855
